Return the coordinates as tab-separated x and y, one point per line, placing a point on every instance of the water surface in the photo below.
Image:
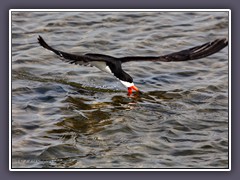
68	116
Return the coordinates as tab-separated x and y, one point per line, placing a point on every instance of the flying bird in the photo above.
113	65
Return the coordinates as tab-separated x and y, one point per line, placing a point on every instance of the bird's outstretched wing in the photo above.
76	59
196	52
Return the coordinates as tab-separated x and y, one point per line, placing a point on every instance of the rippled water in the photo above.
68	116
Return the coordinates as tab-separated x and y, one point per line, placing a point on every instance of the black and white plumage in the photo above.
113	66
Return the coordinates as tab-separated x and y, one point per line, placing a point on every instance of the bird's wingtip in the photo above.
39	38
225	40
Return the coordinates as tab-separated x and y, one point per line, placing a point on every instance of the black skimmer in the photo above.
112	65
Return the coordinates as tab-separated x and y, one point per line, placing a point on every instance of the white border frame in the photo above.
119	10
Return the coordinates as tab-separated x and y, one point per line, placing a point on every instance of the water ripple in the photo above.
67	116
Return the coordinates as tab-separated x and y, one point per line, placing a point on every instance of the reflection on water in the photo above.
66	116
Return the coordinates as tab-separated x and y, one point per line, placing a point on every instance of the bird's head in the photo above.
127	81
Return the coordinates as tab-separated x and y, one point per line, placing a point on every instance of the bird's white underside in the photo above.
103	67
126	84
